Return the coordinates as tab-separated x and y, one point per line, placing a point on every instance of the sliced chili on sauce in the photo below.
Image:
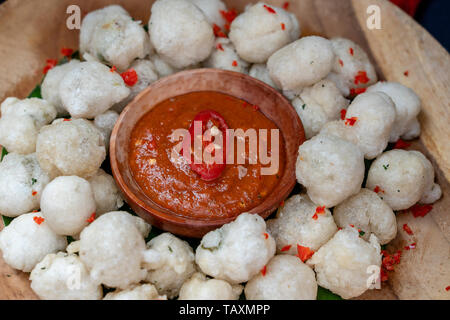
208	119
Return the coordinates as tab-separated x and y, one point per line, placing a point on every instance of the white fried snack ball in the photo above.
111	36
374	113
352	68
105	122
346	263
286	278
136	292
21	121
212	10
21	183
146	73
368	213
90	89
180	32
106	193
403	178
224	57
199	287
407	106
27	240
258	32
432	192
170	262
50	85
301	63
294	225
163	69
237	251
260	72
112	248
330	168
63	276
67	203
75	147
318	105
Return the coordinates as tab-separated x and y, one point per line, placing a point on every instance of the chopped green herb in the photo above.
385	166
362	233
33	181
303	106
170	249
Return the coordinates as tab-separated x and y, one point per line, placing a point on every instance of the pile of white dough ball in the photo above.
330	235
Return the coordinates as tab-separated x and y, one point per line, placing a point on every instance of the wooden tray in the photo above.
31	32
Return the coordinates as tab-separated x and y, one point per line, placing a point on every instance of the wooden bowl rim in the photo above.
286	184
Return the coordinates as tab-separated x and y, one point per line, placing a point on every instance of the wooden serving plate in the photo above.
31	32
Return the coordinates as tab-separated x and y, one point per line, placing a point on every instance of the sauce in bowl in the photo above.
170	181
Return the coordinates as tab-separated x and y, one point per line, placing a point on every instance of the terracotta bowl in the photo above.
272	104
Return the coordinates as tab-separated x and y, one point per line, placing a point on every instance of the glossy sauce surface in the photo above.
170	182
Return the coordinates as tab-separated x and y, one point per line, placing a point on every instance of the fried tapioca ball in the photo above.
110	35
212	11
224	57
368	213
136	292
352	68
90	89
146	73
301	63
258	32
27	240
74	147
21	183
67	203
294	225
170	262
113	248
21	121
237	251
199	287
407	106
163	69
50	85
105	122
345	264
63	276
330	168
319	104
180	32
373	114
106	193
260	72
286	278
403	178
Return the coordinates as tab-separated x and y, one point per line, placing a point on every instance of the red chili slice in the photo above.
208	119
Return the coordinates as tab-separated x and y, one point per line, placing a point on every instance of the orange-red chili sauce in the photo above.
173	185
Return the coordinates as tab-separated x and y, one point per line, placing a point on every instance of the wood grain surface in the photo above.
32	31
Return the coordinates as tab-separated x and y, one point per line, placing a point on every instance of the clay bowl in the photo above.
271	103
